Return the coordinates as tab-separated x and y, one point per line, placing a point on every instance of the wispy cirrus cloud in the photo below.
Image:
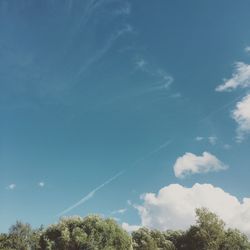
31	73
106	47
89	11
124	10
161	79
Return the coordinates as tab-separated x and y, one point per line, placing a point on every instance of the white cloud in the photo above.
162	80
130	228
199	138
124	10
119	211
241	114
165	79
11	186
174	207
192	164
106	47
212	140
41	184
141	63
240	78
247	49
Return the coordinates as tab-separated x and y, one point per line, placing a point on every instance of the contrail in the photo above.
156	150
99	54
92	193
135	163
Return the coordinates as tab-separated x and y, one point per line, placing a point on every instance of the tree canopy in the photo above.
94	233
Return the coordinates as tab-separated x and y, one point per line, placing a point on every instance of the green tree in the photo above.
96	233
89	233
161	240
5	242
145	239
177	237
142	240
21	236
207	234
235	240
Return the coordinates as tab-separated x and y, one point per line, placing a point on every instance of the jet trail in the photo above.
92	193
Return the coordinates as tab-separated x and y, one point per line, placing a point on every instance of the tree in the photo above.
96	233
5	242
177	237
145	239
207	234
161	240
142	240
21	236
89	233
234	239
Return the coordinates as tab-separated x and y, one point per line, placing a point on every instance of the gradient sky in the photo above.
99	98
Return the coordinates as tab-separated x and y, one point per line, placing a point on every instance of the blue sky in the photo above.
104	101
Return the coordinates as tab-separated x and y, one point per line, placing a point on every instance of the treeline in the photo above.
96	233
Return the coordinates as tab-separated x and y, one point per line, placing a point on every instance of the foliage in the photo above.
145	239
21	237
96	233
90	233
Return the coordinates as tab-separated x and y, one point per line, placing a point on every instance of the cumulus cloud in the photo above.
240	78
174	207
192	164
130	228
241	114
